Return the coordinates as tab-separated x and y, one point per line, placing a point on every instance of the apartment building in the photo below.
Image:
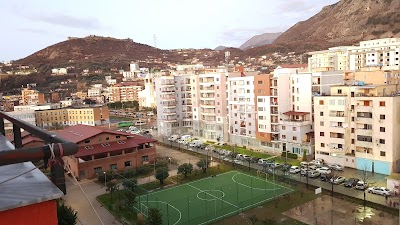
242	111
55	118
124	92
147	97
357	126
379	54
30	97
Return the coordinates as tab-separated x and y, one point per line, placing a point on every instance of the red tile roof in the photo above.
98	148
82	132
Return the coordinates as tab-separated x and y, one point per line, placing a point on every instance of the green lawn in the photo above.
253	153
211	198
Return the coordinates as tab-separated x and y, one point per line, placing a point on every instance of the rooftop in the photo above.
27	189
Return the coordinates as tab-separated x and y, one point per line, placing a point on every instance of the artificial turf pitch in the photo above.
210	199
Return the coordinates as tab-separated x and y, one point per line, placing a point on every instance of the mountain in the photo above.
220	48
93	49
259	40
347	21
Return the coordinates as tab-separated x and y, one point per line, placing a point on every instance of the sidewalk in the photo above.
77	200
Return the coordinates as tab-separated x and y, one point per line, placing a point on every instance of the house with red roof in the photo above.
104	150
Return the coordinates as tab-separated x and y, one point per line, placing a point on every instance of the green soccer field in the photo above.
211	198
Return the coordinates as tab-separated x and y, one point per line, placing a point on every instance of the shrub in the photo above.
289	155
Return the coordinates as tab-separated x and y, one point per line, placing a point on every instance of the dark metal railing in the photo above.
61	148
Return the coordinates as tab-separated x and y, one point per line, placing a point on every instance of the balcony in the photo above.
364	144
295	122
208	113
336	140
364	132
336	129
363	120
362	108
208	106
274	112
207	90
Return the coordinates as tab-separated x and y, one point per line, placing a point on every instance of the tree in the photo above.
185	169
111	187
161	174
130	198
203	164
130	184
154	217
66	215
304	155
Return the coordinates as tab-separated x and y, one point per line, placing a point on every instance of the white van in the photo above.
184	139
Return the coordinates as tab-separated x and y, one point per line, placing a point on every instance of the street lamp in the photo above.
105	180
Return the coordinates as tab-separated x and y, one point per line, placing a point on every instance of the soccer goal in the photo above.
262	175
144	209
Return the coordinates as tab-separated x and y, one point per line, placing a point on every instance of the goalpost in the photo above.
262	175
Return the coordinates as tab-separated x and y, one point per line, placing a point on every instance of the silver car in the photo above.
379	191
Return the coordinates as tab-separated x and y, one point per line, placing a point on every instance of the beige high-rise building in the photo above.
31	97
358	126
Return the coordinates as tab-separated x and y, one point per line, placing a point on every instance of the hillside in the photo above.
260	40
93	49
347	21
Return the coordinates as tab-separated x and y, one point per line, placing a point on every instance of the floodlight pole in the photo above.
105	180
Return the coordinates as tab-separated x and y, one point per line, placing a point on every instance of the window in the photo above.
98	170
117	137
381	103
87	141
283	136
260	82
294	138
381	141
321	113
145	158
332	102
321	102
352	141
382	116
321	123
283	127
339	91
113	166
352	130
128	163
383	153
294	128
105	144
88	147
321	134
382	129
323	145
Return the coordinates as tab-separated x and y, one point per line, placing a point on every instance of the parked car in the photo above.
324	170
337	179
312	167
325	177
336	167
320	160
275	165
304	164
351	182
379	191
240	162
246	158
261	161
313	174
254	159
173	137
303	171
294	170
317	163
286	167
196	143
361	185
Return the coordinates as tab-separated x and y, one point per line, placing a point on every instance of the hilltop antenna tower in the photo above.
155	41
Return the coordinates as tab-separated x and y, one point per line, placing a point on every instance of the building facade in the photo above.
357	126
103	150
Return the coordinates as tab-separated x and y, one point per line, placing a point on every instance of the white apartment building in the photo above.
94	92
147	97
242	112
382	54
358	127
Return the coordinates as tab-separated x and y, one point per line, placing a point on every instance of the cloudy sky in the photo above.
28	26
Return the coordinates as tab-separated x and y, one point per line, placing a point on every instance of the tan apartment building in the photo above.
124	92
92	116
358	126
30	97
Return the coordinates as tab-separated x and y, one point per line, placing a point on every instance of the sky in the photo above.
31	25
